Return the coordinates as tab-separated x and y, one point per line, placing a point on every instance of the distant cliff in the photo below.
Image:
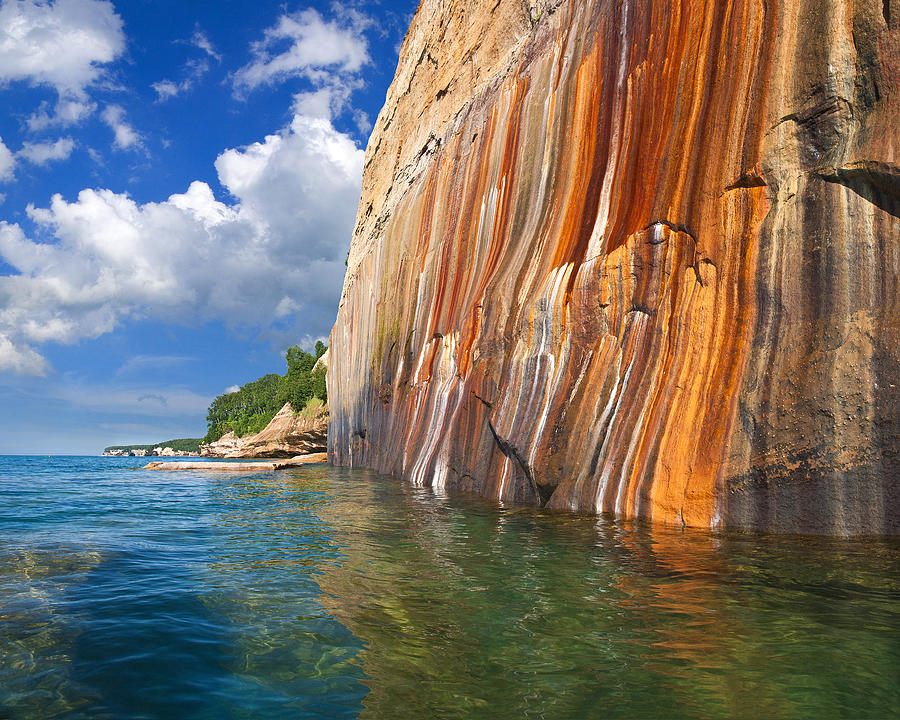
634	256
183	447
287	434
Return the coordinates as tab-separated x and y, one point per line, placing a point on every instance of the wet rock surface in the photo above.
634	257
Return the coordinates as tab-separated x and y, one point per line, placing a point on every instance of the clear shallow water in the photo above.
330	593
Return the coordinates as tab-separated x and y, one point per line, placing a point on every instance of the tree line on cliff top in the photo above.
252	407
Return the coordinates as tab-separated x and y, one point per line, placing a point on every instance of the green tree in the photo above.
296	385
253	406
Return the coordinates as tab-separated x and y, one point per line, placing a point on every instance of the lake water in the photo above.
328	593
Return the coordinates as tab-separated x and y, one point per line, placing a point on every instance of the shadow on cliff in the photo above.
878	183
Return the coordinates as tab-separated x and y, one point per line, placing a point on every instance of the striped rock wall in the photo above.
637	257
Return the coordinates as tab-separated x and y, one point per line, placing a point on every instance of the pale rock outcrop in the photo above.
321	363
226	444
287	435
160	451
634	257
251	466
171	452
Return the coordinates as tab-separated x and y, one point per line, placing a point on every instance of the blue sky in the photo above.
178	187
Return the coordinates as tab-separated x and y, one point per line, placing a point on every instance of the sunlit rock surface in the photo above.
634	256
287	434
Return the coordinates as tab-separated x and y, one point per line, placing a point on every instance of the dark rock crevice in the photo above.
541	494
747	181
676	226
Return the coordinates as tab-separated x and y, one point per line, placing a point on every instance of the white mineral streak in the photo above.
599	232
625	258
444	381
636	331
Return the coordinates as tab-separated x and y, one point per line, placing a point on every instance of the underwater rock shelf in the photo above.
239	466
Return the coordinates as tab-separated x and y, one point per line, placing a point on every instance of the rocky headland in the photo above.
287	435
634	257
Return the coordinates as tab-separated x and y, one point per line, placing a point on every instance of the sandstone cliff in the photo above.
634	256
287	435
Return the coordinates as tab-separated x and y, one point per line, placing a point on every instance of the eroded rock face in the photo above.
638	256
286	436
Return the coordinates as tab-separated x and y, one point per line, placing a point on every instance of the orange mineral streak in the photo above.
627	269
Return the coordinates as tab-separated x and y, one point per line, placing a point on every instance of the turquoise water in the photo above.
327	593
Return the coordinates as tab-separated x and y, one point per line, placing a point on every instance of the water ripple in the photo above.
326	593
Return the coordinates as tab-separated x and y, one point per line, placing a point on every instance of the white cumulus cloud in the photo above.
274	253
63	44
317	49
45	152
124	136
166	89
60	43
20	359
7	162
67	111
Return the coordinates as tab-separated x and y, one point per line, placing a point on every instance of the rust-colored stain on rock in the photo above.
636	257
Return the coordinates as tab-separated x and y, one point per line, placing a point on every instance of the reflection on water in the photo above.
465	606
332	593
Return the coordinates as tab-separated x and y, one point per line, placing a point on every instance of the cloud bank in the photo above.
268	255
274	255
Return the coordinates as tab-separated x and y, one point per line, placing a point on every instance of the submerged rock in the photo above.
634	257
288	434
252	466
